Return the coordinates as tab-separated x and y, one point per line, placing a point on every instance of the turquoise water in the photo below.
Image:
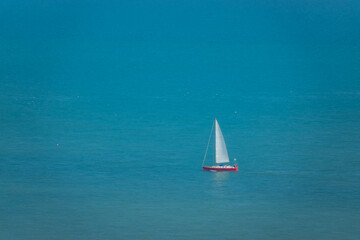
106	110
136	172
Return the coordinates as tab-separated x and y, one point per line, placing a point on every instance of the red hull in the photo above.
221	169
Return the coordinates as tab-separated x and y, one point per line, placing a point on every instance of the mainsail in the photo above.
221	154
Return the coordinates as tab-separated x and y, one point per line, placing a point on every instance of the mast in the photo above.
215	143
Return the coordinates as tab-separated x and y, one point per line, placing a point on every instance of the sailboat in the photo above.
221	157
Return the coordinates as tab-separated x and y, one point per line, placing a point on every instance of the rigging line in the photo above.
207	147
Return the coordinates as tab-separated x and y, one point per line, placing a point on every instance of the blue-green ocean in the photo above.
106	109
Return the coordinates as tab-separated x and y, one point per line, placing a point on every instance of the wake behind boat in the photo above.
221	156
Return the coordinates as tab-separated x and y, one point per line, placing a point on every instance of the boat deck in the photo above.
221	168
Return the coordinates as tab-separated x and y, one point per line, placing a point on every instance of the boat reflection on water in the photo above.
220	178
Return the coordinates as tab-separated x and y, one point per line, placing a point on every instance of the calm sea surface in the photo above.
106	108
77	167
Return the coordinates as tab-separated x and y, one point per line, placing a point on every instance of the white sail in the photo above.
221	154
